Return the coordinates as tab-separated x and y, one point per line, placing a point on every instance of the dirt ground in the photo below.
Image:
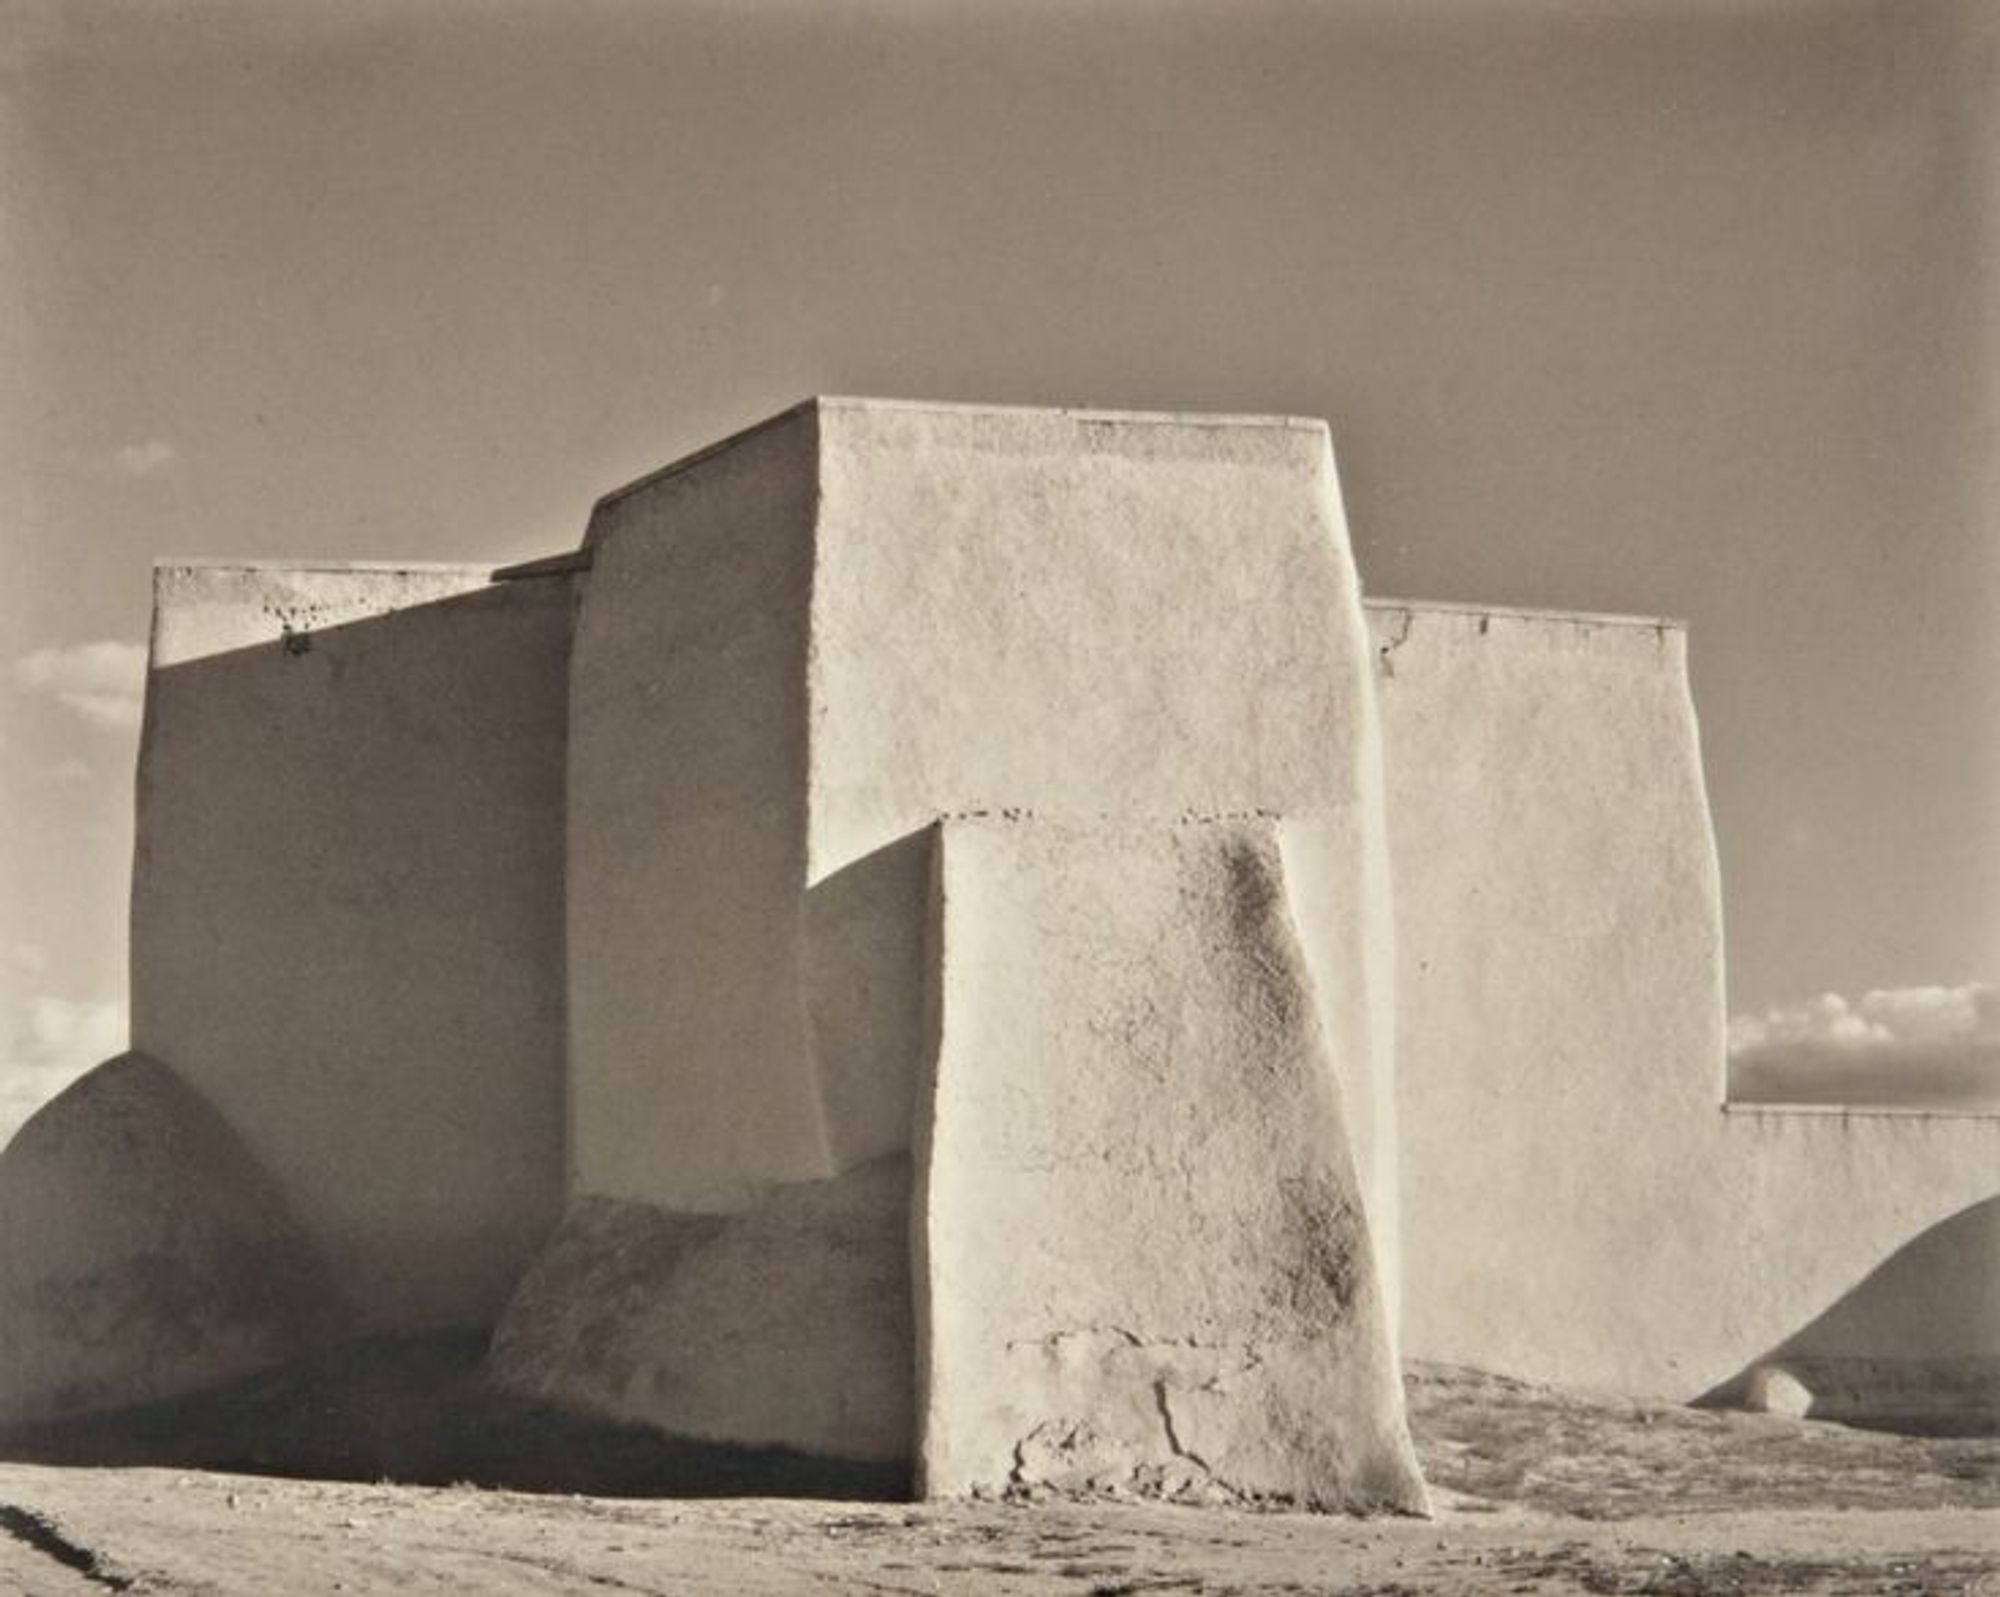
1537	1491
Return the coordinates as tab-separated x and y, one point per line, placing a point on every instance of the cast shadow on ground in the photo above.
416	1410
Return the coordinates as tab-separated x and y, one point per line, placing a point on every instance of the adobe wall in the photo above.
801	647
1143	1263
1082	615
691	1080
347	899
1578	1206
1862	1239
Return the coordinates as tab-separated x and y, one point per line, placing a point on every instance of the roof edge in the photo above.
852	402
1511	612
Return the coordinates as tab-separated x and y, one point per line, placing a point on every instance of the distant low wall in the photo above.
347	907
1578	1205
1860	1243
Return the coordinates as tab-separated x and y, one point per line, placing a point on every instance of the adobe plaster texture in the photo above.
1143	1262
1578	1205
1803	1208
794	652
346	908
203	608
802	646
691	1081
1092	614
1004	790
143	1251
1915	1345
783	1325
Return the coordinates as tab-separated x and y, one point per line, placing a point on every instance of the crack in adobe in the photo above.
40	1533
1409	620
1017	1477
1250	1357
1075	1333
1173	1436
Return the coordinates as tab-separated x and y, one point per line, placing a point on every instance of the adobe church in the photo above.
953	935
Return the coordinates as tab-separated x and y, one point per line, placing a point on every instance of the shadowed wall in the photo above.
347	900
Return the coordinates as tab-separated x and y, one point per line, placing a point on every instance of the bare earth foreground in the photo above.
1537	1491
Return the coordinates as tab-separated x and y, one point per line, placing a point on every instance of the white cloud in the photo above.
53	1041
104	682
61	1028
1933	1045
1935	1014
1891	1017
142	460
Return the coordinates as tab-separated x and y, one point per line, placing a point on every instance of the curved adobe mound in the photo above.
784	1326
143	1252
1914	1346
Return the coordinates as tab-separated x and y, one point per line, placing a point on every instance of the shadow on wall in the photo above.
1912	1348
347	914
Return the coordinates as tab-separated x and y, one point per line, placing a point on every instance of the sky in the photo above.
1681	309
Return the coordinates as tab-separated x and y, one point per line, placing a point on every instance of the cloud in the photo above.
142	460
61	1028
52	1042
1934	1047
103	682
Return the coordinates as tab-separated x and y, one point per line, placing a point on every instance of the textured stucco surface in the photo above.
1143	1260
347	901
691	1077
1089	615
1578	1205
1804	1208
799	648
143	1251
1004	789
1917	1343
867	968
1077	615
208	607
784	1325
